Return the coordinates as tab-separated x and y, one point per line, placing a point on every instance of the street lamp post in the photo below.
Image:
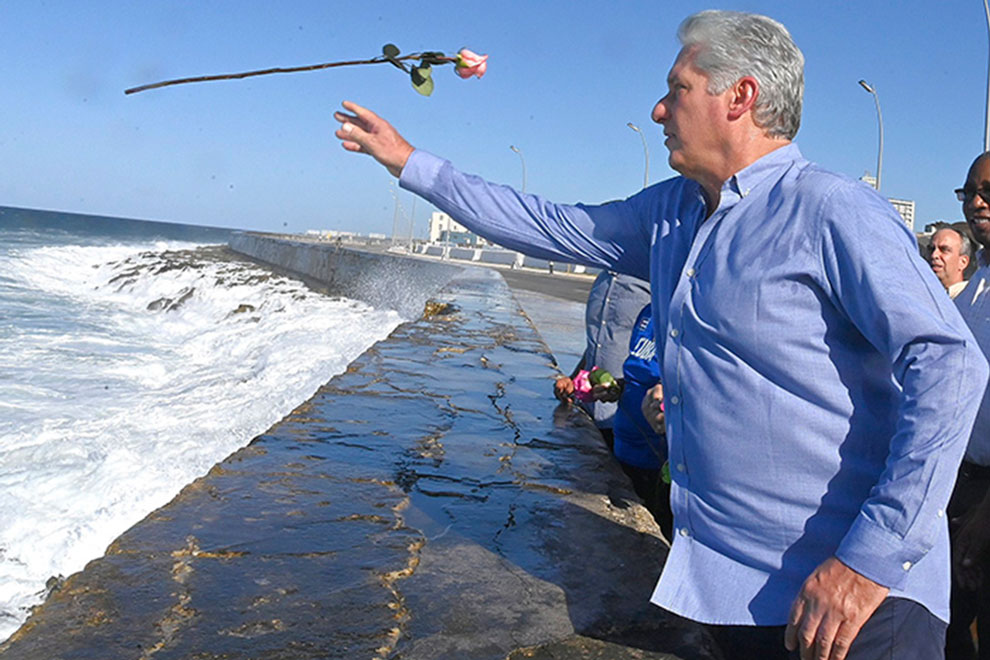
646	153
865	85
523	161
395	214
412	216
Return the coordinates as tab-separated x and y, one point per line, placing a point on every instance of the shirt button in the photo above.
675	399
674	332
689	272
681	467
683	531
940	513
906	566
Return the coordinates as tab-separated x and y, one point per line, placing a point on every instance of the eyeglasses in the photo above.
966	194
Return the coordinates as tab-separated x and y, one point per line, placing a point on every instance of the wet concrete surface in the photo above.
428	503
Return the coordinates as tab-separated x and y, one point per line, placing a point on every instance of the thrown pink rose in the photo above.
470	64
582	386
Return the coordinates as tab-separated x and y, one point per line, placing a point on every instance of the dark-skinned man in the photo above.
969	509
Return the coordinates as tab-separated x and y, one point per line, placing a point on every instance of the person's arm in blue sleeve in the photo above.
882	285
617	235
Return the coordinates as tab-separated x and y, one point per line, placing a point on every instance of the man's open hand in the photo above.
834	603
367	133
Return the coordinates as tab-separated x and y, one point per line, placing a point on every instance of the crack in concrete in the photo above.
180	613
390	581
509	522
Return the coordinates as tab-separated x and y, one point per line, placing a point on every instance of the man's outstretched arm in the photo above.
616	235
363	131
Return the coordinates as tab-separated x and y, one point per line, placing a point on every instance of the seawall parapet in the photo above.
380	279
430	502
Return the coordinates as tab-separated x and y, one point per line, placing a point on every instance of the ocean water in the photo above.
133	357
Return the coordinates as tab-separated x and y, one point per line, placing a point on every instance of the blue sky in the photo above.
563	80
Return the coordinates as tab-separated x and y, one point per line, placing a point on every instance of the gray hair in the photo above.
730	45
965	243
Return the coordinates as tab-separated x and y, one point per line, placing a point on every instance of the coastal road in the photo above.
573	288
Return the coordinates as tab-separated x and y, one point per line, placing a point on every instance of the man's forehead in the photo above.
979	171
683	62
946	236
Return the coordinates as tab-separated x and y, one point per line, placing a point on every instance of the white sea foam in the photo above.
108	408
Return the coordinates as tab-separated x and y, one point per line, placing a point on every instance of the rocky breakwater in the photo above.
430	502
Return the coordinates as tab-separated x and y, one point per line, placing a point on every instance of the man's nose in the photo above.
659	114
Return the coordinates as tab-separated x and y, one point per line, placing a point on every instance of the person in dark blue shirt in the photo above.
613	302
639	449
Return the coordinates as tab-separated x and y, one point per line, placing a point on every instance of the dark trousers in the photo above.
650	487
965	606
900	629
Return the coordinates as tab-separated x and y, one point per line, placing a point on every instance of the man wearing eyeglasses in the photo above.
969	509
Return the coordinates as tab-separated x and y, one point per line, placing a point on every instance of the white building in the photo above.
906	208
903	206
444	229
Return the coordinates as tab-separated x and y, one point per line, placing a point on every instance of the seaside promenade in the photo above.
432	501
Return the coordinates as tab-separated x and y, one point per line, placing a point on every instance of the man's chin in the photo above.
677	164
981	231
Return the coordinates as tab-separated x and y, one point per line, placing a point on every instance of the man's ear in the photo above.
743	96
964	260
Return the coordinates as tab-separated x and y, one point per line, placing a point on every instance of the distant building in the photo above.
906	208
903	206
444	229
334	234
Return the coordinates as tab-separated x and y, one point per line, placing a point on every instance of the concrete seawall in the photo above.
430	502
382	280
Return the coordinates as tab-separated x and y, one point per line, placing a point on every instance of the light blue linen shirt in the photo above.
974	305
820	386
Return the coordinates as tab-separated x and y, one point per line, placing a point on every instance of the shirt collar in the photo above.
742	182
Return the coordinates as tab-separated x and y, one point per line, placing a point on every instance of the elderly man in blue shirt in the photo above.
819	385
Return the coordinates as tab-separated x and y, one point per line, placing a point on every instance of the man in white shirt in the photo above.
949	253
